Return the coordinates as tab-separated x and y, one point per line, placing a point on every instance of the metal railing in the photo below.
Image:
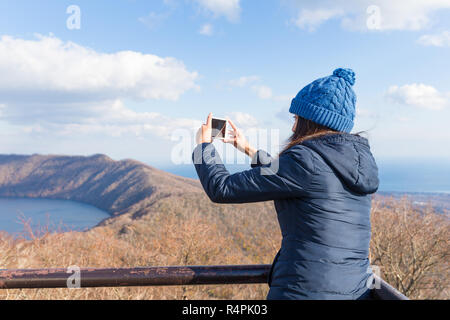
156	276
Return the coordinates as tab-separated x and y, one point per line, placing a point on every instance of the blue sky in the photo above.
135	71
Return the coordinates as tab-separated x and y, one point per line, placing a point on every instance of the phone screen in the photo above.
218	128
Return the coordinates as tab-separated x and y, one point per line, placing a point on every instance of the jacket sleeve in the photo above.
282	178
261	158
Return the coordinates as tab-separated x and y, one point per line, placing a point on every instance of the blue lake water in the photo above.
57	215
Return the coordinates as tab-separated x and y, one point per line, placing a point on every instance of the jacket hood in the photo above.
350	158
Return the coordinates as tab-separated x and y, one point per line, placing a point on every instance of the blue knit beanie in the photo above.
328	101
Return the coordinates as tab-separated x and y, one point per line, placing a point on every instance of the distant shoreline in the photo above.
416	192
395	176
126	189
440	201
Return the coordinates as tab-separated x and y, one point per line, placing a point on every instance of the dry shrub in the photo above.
411	247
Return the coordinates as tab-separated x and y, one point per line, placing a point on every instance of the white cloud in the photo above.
109	118
206	30
283	98
244	81
61	88
403	119
418	95
154	20
263	92
170	3
311	19
32	68
365	112
231	9
354	14
438	40
243	120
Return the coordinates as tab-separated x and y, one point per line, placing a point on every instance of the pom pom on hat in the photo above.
347	74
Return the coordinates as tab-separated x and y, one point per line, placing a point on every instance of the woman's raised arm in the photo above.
286	177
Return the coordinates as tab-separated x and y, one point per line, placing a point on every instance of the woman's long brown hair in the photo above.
306	129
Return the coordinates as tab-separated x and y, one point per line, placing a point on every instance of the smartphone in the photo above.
219	128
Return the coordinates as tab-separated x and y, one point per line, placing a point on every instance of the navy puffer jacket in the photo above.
322	196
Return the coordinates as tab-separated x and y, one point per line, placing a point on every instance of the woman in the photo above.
321	184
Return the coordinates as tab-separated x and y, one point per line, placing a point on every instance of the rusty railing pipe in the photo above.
156	276
145	276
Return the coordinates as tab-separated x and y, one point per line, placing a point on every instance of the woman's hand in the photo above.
204	134
238	139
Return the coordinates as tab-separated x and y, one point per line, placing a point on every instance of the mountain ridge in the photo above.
117	187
